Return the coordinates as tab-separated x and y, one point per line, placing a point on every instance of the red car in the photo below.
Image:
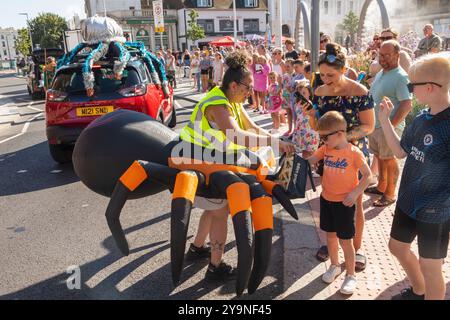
69	110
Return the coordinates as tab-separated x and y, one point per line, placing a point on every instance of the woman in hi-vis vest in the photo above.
220	121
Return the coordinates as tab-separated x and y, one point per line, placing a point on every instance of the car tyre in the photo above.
62	154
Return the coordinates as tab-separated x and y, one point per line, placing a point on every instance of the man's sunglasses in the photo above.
376	39
412	85
325	137
386	38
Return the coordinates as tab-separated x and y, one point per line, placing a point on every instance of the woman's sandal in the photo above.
374	190
322	254
384	202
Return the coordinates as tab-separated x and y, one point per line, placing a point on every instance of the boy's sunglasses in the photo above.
325	137
412	85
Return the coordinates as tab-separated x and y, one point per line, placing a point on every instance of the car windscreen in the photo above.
71	81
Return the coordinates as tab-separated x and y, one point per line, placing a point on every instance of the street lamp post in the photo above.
315	30
29	29
235	23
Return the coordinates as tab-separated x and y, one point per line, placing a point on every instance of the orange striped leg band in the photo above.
134	176
238	195
268	186
262	214
186	186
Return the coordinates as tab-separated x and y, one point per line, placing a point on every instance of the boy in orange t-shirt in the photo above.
341	187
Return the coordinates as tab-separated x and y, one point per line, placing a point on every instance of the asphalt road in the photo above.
50	222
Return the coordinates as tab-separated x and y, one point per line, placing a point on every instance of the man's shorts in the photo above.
335	217
432	238
379	146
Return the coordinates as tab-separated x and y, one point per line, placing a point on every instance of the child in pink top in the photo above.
275	101
261	70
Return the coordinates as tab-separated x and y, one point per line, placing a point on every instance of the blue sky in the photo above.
10	9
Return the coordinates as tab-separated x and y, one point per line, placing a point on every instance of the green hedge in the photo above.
415	111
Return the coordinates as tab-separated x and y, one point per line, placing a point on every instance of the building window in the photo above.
251	25
444	3
5	53
326	7
251	3
339	8
352	6
207	25
421	4
3	37
204	3
227	25
4	44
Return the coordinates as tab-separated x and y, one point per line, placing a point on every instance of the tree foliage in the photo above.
351	23
23	43
47	30
195	32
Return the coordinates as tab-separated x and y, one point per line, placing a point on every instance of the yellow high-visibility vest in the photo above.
199	132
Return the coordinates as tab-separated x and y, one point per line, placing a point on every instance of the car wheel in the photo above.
61	153
173	119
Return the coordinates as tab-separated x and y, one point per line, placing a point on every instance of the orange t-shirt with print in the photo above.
341	168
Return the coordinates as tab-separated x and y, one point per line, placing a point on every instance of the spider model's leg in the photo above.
138	172
88	75
68	57
238	194
262	215
124	57
185	189
278	192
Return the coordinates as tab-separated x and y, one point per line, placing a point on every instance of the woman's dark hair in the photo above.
333	57
237	69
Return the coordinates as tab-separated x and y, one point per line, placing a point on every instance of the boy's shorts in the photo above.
432	238
335	217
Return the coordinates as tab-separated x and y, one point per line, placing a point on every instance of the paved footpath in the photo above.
383	276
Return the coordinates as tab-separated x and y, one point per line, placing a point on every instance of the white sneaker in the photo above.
332	273
349	285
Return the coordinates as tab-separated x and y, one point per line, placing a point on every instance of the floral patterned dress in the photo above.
350	108
286	84
305	138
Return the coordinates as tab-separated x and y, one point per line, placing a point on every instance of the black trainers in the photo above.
195	253
408	294
223	272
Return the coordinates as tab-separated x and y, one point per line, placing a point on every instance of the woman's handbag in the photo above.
293	176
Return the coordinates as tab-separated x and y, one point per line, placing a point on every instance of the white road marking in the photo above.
24	129
178	105
56	171
22	171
